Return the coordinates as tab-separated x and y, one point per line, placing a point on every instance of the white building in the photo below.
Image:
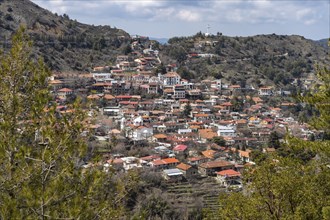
184	131
141	133
100	77
170	79
226	131
265	91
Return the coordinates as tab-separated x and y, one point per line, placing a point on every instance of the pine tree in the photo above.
187	110
41	150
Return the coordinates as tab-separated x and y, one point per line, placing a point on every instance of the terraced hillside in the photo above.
191	196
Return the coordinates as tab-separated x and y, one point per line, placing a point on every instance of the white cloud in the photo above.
188	15
164	14
236	15
303	13
58	6
262	4
252	11
259	13
224	5
310	22
137	6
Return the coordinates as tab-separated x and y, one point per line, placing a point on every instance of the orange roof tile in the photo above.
207	133
158	162
194	126
226	104
183	166
209	153
123	97
241	121
55	81
257	99
193	159
65	90
168	90
93	96
171	74
108	96
180	147
244	153
171	160
235	86
228	173
160	136
201	115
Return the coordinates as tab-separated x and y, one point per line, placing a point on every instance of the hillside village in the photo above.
96	123
160	122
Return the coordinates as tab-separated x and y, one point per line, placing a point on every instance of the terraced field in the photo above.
188	196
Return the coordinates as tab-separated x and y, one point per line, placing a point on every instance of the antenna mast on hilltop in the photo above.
208	30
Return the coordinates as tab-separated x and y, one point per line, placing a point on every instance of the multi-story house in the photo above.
101	77
179	92
210	168
265	91
170	79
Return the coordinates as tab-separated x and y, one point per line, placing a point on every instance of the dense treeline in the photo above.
42	151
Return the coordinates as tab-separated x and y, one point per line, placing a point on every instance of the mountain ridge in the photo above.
256	60
68	45
59	39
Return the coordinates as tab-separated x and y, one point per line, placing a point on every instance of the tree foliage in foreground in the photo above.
288	187
41	150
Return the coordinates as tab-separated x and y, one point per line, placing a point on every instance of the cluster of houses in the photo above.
227	173
180	120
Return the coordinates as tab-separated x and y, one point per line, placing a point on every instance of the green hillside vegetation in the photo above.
68	45
42	152
65	44
256	60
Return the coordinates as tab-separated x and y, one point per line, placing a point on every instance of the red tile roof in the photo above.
165	161
108	96
193	159
228	173
123	97
149	158
180	147
208	153
171	160
65	90
183	166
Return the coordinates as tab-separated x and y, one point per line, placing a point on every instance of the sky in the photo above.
170	18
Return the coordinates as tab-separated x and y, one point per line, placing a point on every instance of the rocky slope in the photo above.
64	43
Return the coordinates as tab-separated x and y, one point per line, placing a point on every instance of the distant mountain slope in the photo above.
64	43
324	42
255	60
160	40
